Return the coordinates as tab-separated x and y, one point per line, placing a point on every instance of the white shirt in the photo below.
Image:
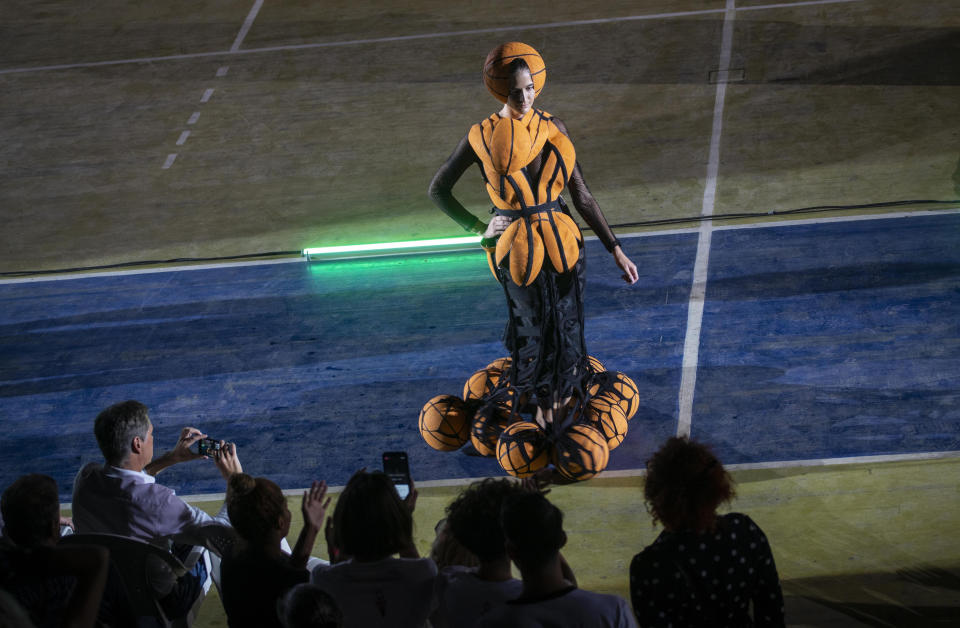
568	608
389	593
464	598
111	500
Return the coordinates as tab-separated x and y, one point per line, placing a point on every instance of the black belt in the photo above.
552	206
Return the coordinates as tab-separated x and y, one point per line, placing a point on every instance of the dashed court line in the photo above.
221	72
415	37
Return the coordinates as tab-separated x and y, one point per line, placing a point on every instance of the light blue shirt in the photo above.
110	500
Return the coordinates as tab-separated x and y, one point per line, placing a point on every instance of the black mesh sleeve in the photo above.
441	187
586	204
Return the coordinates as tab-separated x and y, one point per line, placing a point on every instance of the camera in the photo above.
208	446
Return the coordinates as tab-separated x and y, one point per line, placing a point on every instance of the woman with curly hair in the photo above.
258	573
704	569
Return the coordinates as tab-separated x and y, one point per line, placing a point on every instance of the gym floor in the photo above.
816	350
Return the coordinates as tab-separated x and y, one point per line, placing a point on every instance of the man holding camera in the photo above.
122	496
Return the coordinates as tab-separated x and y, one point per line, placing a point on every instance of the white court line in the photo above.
169	162
183	138
630	473
790	5
207	94
159	269
193	118
648	234
812	462
354	42
691	342
247	23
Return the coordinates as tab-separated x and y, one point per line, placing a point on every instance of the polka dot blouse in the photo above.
686	579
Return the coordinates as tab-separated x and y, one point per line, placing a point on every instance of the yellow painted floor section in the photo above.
855	545
334	143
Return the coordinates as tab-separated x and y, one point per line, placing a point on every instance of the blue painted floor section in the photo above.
832	340
825	340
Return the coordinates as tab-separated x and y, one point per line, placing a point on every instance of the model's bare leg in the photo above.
544	417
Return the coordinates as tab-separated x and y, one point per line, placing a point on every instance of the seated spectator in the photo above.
258	573
309	606
372	588
55	586
466	594
122	496
533	529
446	551
704	569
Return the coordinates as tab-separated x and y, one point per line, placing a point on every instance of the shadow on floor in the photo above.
915	596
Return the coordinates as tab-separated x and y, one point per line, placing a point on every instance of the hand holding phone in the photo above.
397	468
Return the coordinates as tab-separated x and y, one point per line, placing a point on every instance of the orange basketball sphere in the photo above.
481	383
444	424
523	449
606	414
496	74
595	365
625	391
581	452
501	364
489	421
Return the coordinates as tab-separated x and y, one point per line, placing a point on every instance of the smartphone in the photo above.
398	470
207	446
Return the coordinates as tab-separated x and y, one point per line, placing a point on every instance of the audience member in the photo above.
533	530
372	588
703	569
12	613
255	577
309	606
446	551
466	594
55	586
122	496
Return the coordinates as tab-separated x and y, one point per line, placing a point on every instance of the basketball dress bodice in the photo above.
541	230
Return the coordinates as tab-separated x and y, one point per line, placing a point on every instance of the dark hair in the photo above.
685	484
517	66
309	606
370	521
117	426
254	505
474	517
447	551
31	510
533	527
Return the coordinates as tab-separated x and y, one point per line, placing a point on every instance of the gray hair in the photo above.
117	426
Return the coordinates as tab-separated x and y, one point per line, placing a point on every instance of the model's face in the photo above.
522	93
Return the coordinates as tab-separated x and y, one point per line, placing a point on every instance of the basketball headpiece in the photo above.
496	73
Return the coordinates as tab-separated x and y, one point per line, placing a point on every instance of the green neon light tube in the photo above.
385	247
